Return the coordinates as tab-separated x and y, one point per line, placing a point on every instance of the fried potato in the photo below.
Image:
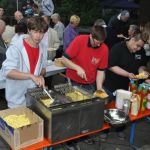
47	102
100	94
76	96
142	75
17	121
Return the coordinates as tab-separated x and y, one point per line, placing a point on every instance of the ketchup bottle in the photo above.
143	100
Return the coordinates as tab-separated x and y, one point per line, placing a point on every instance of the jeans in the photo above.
88	87
110	93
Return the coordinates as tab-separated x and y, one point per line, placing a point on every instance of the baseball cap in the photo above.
125	13
100	22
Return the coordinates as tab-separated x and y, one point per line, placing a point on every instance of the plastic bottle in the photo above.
143	100
148	99
134	88
130	84
139	91
148	102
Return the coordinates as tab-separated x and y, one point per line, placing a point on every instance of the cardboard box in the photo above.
24	136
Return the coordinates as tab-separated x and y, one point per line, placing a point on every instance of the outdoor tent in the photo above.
119	4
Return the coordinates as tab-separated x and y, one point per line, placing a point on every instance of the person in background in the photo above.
3	46
36	10
70	31
9	31
132	31
146	34
86	59
20	30
52	39
47	7
52	43
25	63
1	12
117	24
59	27
19	16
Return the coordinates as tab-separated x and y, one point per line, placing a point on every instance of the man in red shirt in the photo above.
87	58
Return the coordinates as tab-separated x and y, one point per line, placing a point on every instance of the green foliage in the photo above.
88	10
9	6
3	3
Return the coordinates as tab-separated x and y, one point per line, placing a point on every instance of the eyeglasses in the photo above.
95	43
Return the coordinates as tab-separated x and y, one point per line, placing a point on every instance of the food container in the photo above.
66	118
120	96
115	117
23	136
126	106
135	104
58	62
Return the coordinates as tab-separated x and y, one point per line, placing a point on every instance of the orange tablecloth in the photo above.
47	143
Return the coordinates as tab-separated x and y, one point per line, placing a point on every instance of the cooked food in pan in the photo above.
100	94
76	96
47	102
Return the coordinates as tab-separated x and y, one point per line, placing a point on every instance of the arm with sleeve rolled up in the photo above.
80	71
119	71
100	77
17	75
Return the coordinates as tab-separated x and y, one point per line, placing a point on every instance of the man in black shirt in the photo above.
117	24
124	61
125	58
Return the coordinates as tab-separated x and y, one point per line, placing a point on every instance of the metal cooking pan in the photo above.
116	117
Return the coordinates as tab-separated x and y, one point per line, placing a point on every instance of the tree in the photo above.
88	10
9	6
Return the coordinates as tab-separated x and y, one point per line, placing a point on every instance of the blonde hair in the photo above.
74	19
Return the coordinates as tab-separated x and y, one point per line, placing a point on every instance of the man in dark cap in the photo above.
118	24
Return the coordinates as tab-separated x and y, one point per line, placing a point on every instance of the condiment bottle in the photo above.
143	100
148	99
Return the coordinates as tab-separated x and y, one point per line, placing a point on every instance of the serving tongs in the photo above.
48	94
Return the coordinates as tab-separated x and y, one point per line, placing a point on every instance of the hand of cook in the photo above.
81	73
142	75
131	76
39	80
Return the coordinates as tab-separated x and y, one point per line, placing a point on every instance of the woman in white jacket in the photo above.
25	63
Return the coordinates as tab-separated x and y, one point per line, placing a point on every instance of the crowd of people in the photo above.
106	59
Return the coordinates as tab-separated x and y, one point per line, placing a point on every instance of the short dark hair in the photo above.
37	23
139	36
146	31
99	33
135	28
21	27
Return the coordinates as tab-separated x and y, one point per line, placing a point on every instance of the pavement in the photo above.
141	140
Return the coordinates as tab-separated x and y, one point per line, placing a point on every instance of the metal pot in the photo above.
116	118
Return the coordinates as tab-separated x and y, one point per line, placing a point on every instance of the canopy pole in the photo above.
17	5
